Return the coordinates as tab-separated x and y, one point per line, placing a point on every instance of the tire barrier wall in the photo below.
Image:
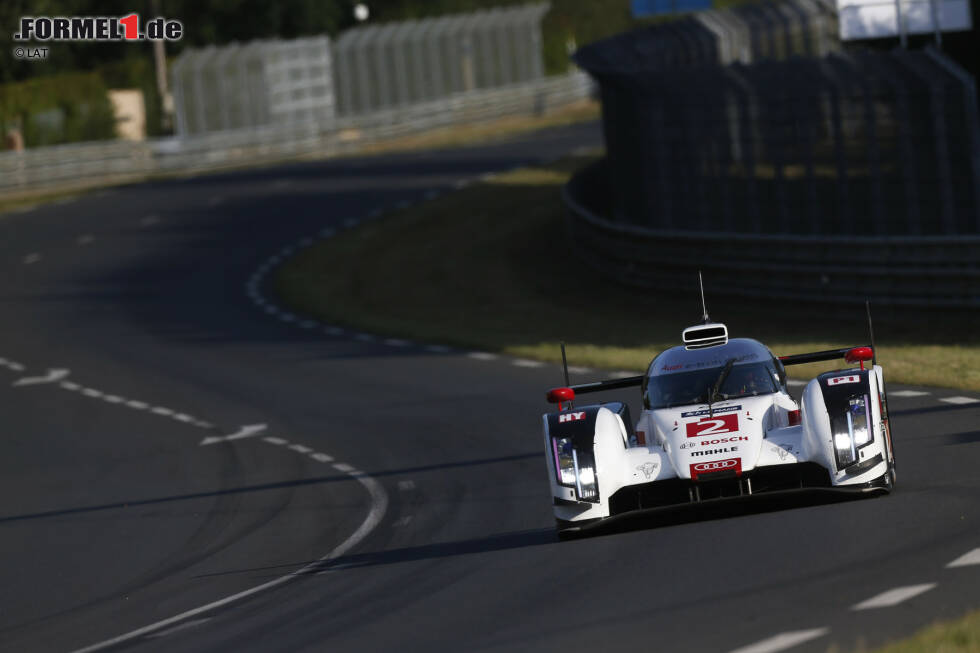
925	271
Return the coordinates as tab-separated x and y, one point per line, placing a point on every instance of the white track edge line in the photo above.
783	641
379	506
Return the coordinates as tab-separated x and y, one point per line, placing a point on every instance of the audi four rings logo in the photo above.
715	465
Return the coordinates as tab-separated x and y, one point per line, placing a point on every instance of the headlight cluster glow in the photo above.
564	461
852	431
575	469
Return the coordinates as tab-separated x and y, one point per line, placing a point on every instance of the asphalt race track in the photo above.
176	447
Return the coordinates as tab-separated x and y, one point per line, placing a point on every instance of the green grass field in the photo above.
489	267
958	636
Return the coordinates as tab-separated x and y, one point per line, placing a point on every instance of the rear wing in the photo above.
850	354
567	393
610	384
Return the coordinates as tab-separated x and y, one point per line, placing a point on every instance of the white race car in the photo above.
717	423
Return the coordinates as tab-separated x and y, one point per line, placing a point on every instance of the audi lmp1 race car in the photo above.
717	423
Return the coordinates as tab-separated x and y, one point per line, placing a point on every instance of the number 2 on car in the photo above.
713	425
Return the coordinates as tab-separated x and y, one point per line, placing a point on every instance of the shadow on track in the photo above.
316	480
674	516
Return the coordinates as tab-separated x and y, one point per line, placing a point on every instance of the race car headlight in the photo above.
852	431
585	485
575	469
564	461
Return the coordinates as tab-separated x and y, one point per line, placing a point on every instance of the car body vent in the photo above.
701	336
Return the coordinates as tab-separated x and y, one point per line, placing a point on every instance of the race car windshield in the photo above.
685	388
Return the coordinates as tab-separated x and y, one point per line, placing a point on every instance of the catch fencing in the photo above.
370	69
84	164
807	170
271	100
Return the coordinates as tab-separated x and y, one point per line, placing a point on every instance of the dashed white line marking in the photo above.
138	405
483	356
461	183
85	239
438	349
334	331
960	400
161	410
68	385
406	486
287	317
364	337
403	521
395	342
244	432
308	324
178	628
305	241
783	641
53	376
524	362
32	258
971	558
113	399
300	448
893	597
343	467
202	424
795	383
271	310
274	440
17	367
183	417
907	393
150	220
92	392
321	457
351	222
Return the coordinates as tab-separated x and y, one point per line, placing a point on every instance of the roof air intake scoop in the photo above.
711	334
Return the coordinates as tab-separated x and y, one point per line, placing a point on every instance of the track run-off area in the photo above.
187	465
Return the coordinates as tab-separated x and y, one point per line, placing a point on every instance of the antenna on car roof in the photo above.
704	306
564	366
871	333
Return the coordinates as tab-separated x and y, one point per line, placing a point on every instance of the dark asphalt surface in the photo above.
113	517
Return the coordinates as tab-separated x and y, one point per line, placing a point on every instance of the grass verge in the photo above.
449	136
958	636
489	267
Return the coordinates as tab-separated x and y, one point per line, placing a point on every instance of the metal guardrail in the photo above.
898	270
92	163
